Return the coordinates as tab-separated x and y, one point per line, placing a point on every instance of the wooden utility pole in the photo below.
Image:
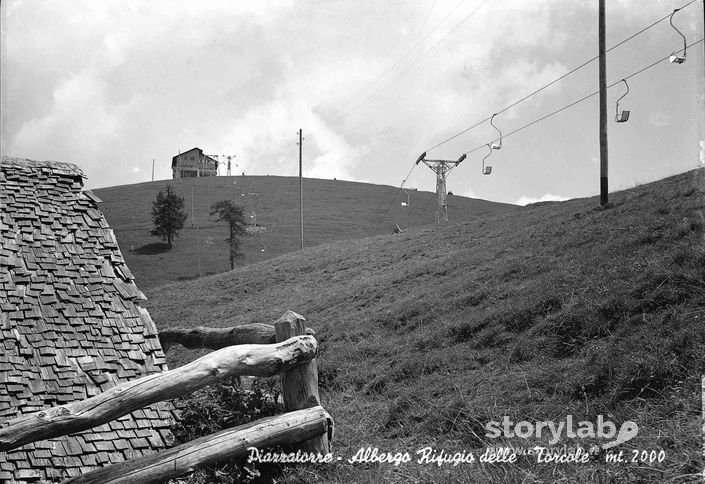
152	169
198	252
701	144
301	190
603	105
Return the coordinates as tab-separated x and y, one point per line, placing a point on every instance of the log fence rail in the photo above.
287	349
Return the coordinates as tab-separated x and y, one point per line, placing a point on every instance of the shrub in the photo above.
221	406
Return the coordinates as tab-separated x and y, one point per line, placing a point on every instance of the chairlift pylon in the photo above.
496	146
623	116
675	58
487	170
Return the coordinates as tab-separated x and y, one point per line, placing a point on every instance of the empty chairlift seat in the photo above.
622	116
675	57
487	169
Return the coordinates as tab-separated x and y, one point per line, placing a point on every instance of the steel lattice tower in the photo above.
441	168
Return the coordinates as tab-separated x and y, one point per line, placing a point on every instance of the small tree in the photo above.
168	215
228	212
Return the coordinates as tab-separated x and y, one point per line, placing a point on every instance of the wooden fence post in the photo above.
300	384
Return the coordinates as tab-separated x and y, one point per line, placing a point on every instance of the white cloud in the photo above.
335	159
660	119
79	117
468	193
544	198
112	84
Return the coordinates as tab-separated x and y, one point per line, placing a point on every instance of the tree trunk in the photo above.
230	247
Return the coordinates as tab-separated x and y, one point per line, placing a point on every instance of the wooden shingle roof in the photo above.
70	323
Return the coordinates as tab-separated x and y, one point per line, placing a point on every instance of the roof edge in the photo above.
58	167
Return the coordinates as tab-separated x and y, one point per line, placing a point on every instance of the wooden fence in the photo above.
289	351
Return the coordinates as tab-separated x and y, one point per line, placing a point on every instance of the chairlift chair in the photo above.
496	146
623	116
675	58
487	170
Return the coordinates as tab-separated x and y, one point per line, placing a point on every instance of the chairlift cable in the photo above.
408	198
548	85
557	79
401	187
585	97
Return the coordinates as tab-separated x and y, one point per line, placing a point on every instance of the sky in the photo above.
112	85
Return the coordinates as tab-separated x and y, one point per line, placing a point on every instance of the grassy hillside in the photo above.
555	309
333	210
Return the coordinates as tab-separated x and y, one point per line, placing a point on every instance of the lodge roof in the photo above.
70	323
200	153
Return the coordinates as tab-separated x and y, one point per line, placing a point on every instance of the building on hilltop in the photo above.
193	163
71	325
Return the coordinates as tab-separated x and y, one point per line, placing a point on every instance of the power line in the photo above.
552	113
557	79
536	92
337	120
428	15
542	118
390	69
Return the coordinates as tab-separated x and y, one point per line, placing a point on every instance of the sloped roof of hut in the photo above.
70	323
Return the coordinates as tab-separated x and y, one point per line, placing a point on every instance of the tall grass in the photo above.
426	336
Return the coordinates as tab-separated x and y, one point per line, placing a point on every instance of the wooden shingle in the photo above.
70	324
